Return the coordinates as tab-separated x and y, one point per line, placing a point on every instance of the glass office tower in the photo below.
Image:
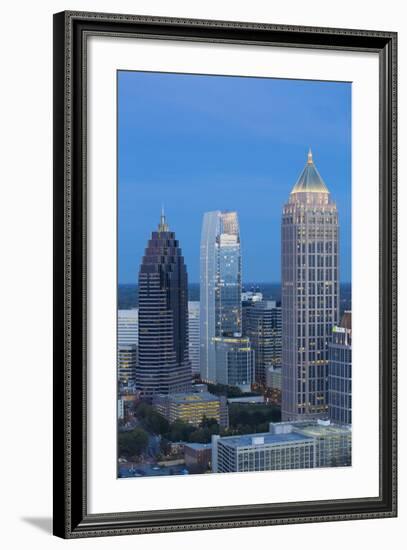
340	372
234	362
163	359
220	285
194	340
310	294
263	328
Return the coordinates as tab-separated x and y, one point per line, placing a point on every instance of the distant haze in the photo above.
127	296
199	143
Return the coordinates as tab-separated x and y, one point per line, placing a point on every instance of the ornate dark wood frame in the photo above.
71	518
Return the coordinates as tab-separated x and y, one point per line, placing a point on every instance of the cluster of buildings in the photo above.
240	333
300	350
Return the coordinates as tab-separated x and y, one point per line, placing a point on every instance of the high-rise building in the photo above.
263	328
194	340
235	362
310	294
127	364
249	297
220	285
127	326
163	360
253	295
273	378
340	372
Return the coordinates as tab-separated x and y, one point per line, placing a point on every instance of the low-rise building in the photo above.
259	452
192	407
199	387
254	399
288	445
333	442
128	399
198	455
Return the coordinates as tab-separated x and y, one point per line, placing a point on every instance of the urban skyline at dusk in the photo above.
247	157
232	378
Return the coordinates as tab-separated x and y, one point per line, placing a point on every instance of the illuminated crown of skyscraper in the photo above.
310	181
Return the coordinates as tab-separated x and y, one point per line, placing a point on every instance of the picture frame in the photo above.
71	207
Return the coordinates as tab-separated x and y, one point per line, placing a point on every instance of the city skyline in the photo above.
246	163
288	359
241	380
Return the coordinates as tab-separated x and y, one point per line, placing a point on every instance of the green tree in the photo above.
157	423
201	435
208	422
143	410
179	431
132	443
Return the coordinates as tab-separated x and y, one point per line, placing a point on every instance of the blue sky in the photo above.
196	143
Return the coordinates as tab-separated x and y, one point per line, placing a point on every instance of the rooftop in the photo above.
318	430
264	439
190	397
198	446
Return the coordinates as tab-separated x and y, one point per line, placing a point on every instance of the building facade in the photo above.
163	353
286	447
340	372
192	407
198	456
220	285
235	362
260	452
310	294
127	326
263	328
127	364
249	297
194	339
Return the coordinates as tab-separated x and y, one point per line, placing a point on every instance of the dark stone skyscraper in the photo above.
163	360
310	294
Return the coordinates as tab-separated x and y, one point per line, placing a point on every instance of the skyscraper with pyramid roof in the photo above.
163	358
310	294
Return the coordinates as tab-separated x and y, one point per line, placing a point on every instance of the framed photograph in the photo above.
224	274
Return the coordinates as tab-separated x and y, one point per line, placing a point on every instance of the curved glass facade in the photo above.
220	284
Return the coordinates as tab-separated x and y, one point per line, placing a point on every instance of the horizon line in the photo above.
247	283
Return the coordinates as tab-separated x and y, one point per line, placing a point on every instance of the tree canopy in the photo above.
132	443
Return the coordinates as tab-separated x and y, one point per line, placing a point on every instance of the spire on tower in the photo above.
163	225
310	181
